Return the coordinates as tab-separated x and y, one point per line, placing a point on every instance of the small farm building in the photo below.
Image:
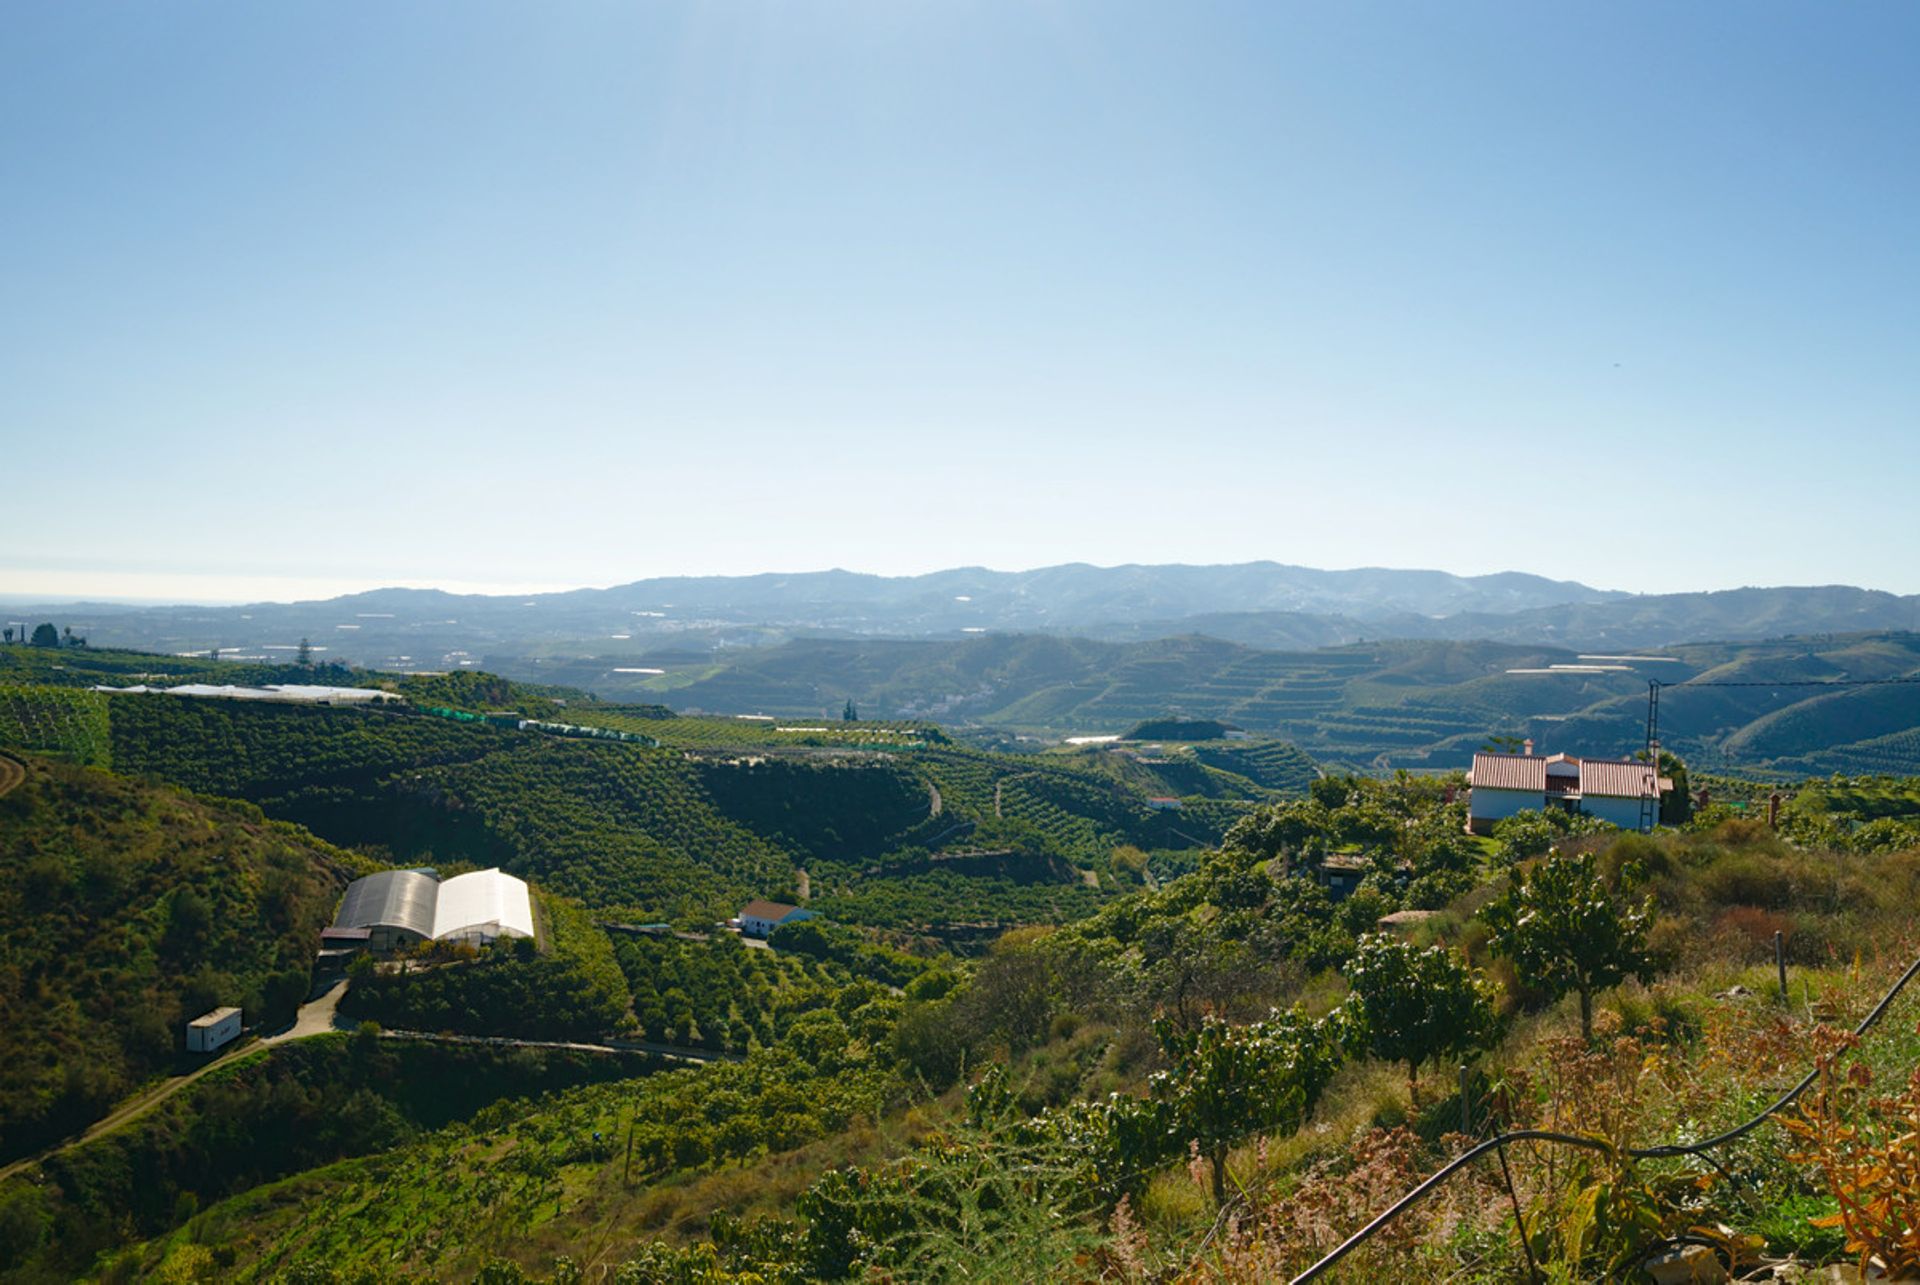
760	918
1341	873
211	1030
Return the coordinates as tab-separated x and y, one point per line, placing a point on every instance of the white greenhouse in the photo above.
395	907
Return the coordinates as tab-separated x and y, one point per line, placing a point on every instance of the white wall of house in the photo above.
1490	805
755	926
1624	813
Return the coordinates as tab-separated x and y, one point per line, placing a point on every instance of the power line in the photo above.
1788	682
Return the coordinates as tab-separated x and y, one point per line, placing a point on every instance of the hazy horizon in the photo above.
313	589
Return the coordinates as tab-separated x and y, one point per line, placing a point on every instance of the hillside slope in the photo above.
1377	705
128	908
687	818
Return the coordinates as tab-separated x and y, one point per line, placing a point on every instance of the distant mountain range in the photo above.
1264	605
1640	620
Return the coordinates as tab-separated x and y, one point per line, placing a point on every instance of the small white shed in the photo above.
211	1030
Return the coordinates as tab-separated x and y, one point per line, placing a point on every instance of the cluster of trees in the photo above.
481	693
842	811
939	899
43	635
1568	921
861	957
719	994
618	826
281	756
572	991
1414	839
1843	814
650	833
311	1103
68	721
1251	923
689	731
1010	1175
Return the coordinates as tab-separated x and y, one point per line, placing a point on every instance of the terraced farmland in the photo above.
1271	765
69	722
692	731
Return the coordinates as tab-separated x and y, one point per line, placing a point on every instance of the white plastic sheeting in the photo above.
405	905
481	906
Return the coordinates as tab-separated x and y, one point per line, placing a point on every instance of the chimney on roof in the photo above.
1526	746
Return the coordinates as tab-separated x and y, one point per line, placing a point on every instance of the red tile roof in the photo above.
772	911
1508	772
1617	779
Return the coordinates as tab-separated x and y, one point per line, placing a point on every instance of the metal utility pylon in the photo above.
1650	800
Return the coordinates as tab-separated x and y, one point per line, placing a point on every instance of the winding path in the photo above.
132	1109
12	773
318	1016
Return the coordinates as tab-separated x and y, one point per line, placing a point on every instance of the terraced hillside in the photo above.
65	722
1374	706
892	822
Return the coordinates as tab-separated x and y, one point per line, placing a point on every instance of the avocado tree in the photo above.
1415	1006
1228	1082
1526	835
1566	930
1287	831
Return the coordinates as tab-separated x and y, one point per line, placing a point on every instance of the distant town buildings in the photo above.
1610	790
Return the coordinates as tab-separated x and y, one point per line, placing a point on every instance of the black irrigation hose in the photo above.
1786	1099
1592	1144
1452	1167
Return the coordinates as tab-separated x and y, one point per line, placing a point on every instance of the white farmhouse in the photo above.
1610	790
760	918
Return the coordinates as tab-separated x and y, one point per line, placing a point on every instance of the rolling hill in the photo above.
889	824
127	908
1373	705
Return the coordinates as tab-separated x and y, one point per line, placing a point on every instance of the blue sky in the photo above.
309	296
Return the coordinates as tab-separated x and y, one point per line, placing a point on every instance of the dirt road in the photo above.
133	1108
317	1016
